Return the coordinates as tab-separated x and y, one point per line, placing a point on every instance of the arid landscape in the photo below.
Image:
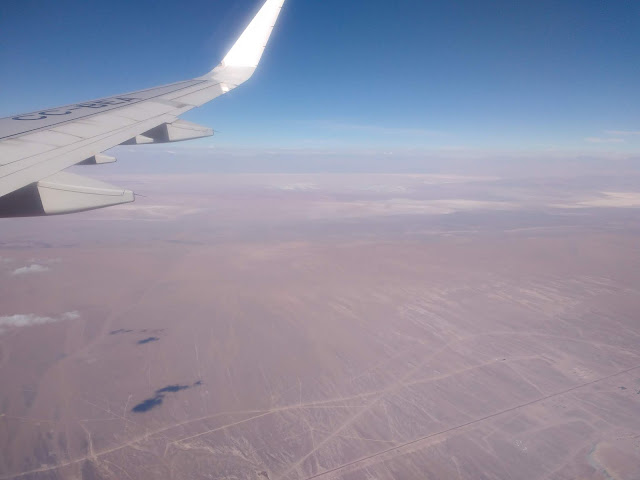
351	326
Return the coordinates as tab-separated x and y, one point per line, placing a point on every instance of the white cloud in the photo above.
30	319
141	212
34	268
405	206
614	199
623	132
603	140
297	187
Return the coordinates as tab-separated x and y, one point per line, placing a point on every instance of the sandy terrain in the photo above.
325	326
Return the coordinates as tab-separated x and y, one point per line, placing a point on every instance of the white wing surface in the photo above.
35	147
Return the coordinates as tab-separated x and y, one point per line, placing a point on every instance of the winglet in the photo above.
243	58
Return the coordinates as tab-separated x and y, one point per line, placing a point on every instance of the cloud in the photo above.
31	319
141	212
613	199
603	140
34	268
406	206
297	187
387	188
623	132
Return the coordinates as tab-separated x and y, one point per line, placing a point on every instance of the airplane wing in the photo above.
36	147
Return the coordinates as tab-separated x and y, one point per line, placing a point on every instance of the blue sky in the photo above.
414	74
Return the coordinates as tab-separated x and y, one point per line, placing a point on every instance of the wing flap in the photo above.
15	149
111	121
54	139
144	110
202	96
62	193
81	128
69	193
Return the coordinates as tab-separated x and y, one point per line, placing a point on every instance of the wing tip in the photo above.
248	49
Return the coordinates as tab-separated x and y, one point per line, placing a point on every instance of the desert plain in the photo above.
333	326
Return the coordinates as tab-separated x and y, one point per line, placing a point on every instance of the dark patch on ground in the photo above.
148	404
144	330
120	330
172	389
622	388
157	399
148	340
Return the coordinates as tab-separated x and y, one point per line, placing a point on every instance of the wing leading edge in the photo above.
35	147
